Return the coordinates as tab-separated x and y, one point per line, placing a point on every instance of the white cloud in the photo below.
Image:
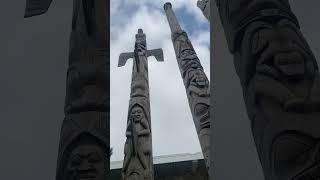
172	125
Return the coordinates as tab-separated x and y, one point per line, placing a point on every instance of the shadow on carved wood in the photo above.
280	80
84	141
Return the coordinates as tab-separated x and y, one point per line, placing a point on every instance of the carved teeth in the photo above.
201	81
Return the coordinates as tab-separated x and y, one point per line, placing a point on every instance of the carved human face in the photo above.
86	163
198	78
137	113
279	46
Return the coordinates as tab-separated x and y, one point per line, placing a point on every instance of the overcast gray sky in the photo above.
172	125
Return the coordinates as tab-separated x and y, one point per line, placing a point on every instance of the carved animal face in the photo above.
137	113
86	163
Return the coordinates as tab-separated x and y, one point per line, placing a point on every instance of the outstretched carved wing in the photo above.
157	53
36	7
124	57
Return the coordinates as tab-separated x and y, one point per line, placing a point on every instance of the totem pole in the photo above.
204	5
138	160
196	82
281	88
84	141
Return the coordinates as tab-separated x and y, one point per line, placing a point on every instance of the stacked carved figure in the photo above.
138	147
84	141
138	160
195	81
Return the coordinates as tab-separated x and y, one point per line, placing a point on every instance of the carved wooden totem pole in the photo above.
138	160
196	82
204	5
84	141
281	87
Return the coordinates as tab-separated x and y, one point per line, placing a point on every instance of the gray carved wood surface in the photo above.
138	159
280	80
195	80
84	139
204	6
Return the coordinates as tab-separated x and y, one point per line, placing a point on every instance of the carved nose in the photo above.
85	166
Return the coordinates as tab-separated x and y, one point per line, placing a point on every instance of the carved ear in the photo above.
36	7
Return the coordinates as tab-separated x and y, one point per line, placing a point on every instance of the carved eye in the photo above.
258	42
183	54
76	160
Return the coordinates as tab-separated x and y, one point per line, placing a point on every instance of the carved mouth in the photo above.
87	175
201	81
134	175
282	56
290	63
288	58
190	57
137	117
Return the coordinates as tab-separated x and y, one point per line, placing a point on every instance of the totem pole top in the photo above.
157	53
172	19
